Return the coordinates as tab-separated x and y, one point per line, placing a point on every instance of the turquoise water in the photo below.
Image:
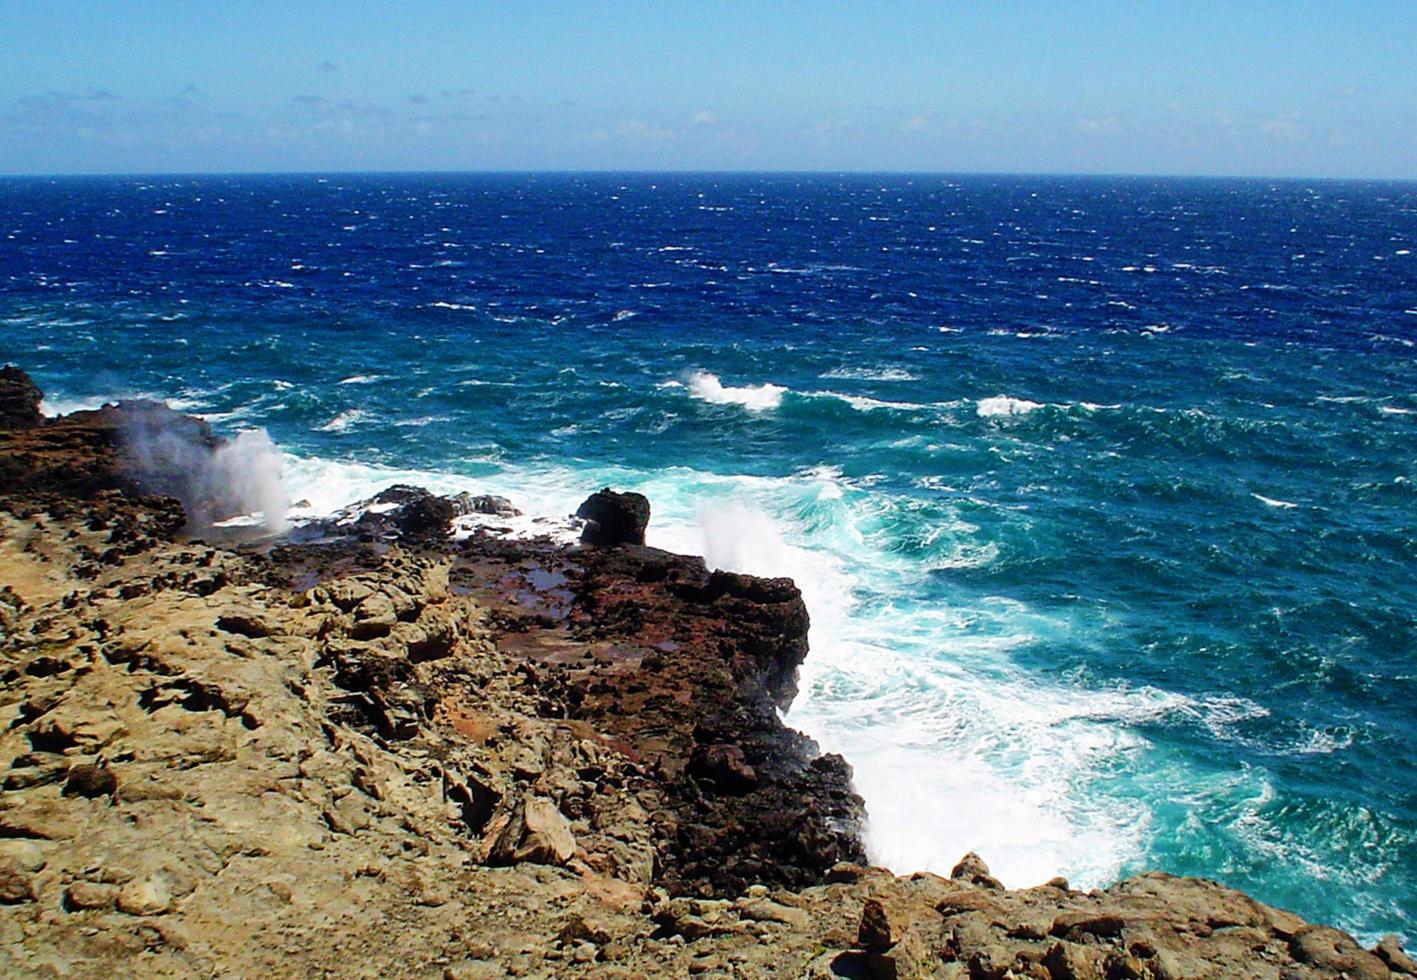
1101	492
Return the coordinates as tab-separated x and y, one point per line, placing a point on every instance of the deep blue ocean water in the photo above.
1102	491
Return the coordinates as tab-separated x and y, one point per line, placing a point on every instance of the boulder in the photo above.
614	518
536	831
485	503
19	400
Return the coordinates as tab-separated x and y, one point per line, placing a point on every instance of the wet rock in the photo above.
428	517
485	504
614	518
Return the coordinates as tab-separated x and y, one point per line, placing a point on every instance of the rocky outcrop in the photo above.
19	400
614	518
380	752
685	670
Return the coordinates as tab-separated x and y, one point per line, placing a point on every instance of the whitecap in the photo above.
755	398
1271	502
1005	405
870	374
862	403
361	379
342	421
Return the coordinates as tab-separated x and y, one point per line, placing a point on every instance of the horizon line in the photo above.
689	171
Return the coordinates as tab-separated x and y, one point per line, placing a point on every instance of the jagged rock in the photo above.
534	831
19	399
614	518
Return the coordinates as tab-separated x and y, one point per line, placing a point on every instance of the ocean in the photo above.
1102	492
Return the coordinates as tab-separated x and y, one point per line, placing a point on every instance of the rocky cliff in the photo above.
373	750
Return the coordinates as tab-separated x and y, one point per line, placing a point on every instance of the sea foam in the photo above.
755	398
1005	405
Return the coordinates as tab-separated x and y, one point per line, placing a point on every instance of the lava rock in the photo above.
614	518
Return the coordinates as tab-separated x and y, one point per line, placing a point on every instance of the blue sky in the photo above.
1282	89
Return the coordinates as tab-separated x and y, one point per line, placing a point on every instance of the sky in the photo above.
1305	89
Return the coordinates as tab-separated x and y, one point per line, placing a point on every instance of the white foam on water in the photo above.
755	398
862	403
1271	502
870	374
344	420
953	748
361	379
1001	405
53	406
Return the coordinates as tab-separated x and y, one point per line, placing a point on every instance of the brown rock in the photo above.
535	831
16	882
91	781
1068	961
145	896
970	866
83	895
1106	924
1390	951
885	919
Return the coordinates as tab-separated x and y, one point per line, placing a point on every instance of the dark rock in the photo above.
91	781
418	515
485	504
614	518
725	765
19	400
428	517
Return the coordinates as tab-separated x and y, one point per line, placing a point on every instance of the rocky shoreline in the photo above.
369	749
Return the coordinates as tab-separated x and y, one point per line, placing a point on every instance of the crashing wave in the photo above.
707	387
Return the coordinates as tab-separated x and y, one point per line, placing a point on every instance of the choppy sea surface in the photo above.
1102	491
